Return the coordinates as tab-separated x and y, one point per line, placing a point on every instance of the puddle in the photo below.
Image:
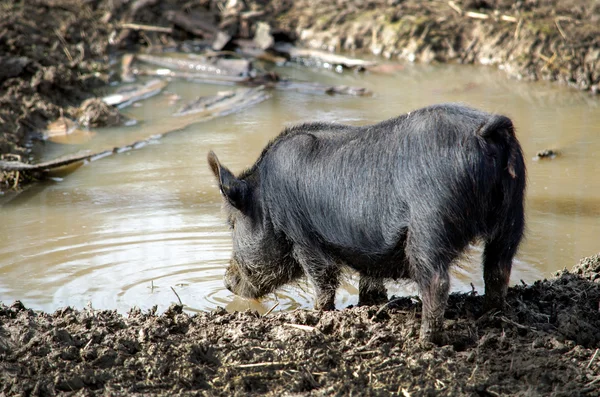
127	230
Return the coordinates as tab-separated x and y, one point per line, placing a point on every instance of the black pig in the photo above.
398	199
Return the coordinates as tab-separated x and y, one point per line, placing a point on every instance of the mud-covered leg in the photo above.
497	265
498	255
324	275
434	294
326	282
496	276
429	256
371	291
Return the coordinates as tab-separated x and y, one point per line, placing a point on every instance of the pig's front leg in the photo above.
324	276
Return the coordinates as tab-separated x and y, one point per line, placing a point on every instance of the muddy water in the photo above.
134	228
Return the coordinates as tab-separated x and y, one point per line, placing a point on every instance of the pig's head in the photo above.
261	260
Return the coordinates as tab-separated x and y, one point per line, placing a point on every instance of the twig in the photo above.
477	15
596	379
64	43
177	295
549	61
473	290
520	326
455	7
271	309
387	306
562	33
382	309
592	360
473	372
147	28
265	364
302	327
518	29
88	344
508	18
468	50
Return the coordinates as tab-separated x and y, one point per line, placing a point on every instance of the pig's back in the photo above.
353	187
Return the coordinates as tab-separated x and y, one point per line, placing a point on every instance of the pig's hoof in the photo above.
493	303
325	307
428	337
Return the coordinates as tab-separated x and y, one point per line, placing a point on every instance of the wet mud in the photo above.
545	343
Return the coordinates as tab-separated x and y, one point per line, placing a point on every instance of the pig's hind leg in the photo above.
497	264
429	262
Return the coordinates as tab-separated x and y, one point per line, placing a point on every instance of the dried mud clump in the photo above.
94	113
546	343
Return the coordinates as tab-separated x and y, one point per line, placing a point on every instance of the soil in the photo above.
546	343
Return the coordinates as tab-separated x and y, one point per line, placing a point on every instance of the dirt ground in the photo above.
545	344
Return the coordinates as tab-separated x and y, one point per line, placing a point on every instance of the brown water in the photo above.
124	230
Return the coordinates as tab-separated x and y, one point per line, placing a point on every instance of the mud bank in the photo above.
546	343
531	40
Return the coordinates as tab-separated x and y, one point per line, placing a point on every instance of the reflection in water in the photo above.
123	231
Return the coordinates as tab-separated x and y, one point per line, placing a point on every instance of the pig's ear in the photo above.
233	189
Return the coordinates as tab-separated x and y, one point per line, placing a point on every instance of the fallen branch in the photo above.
52	164
242	99
129	16
387	306
200	77
194	26
216	66
133	93
223	103
508	18
269	80
322	56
